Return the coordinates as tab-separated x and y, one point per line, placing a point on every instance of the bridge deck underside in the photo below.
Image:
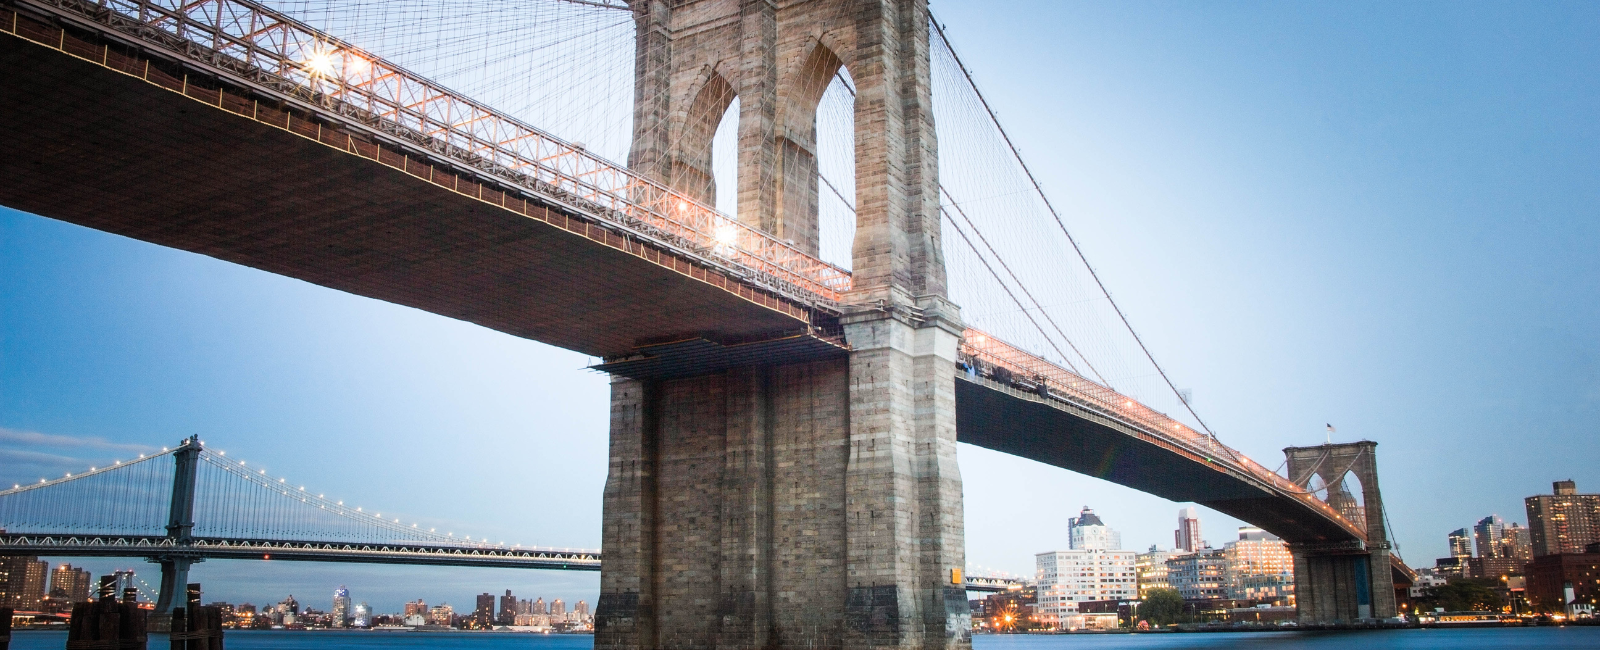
1011	421
90	146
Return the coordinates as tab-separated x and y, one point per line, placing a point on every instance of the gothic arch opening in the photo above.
836	170
816	158
692	170
725	162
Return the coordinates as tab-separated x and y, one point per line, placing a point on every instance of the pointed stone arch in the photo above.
796	214
690	167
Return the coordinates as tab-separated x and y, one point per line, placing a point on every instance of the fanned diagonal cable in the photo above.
1020	285
1057	216
1025	310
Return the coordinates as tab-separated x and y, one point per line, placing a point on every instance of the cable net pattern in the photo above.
125	498
1038	310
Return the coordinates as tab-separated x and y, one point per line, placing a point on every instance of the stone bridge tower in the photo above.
1343	583
813	504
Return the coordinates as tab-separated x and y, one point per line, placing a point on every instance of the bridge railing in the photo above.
275	50
1048	377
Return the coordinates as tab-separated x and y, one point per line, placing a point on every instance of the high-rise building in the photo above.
1564	522
483	614
539	607
1087	533
361	615
442	614
418	607
558	609
582	608
1259	567
1187	536
340	615
22	585
1515	543
1067	578
1345	503
1460	544
508	609
69	584
1150	569
1199	575
1488	533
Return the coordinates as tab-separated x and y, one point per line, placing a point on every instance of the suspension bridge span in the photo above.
189	504
783	467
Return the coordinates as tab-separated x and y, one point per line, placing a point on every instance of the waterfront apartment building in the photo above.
1150	569
442	614
417	607
1259	568
1200	575
339	616
1067	578
69	584
22	582
1564	522
508	609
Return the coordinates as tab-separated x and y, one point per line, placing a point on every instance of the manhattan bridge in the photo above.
823	263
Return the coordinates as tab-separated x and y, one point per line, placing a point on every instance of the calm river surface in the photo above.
1543	638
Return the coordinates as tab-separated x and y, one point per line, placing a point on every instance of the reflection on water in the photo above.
1542	638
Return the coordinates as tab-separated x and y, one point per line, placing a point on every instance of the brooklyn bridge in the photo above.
790	375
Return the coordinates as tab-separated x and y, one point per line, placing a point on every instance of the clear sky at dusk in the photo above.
1384	216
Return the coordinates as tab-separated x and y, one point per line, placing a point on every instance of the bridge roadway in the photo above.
160	146
217	548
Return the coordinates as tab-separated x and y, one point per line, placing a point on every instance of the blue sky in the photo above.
1379	215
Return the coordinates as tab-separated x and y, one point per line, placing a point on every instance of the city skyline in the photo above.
1235	271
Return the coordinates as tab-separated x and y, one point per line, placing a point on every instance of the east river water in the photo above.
1542	638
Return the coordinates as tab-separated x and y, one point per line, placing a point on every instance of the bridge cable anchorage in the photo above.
1039	189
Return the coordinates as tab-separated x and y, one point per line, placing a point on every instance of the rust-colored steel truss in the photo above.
267	49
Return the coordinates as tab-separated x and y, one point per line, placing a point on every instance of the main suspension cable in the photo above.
1062	225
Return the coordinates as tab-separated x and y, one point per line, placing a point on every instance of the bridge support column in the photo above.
808	505
174	582
1343	583
180	527
813	505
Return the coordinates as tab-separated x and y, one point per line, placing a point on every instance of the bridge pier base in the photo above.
812	505
174	583
1341	586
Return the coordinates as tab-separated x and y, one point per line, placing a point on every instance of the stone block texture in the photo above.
808	505
1334	585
